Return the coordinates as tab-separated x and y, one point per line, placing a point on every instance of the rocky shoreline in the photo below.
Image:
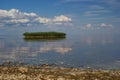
46	72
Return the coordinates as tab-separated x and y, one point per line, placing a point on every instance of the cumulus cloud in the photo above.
18	21
88	26
61	18
56	20
15	16
105	25
15	13
43	20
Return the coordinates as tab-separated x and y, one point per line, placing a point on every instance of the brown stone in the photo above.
23	69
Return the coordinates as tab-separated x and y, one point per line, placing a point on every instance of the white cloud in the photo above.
15	13
30	14
105	25
3	13
43	20
18	21
15	16
61	18
56	20
87	27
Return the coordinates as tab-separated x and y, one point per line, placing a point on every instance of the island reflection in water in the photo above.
50	46
31	49
95	51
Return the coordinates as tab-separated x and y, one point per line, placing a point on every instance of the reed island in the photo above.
44	35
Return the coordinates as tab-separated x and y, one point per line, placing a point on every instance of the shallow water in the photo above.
76	50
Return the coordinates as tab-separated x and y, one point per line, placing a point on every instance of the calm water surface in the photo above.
77	50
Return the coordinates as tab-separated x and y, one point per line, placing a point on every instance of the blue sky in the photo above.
70	14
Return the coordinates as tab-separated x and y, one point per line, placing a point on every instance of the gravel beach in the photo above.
55	73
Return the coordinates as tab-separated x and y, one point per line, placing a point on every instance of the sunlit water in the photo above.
81	50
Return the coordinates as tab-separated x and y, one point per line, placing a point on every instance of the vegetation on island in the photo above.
44	35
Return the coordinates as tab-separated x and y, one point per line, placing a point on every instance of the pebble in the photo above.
23	69
55	73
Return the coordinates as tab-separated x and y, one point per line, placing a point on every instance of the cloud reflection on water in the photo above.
85	50
17	51
90	40
61	50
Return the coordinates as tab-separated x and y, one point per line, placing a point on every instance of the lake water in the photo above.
76	50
